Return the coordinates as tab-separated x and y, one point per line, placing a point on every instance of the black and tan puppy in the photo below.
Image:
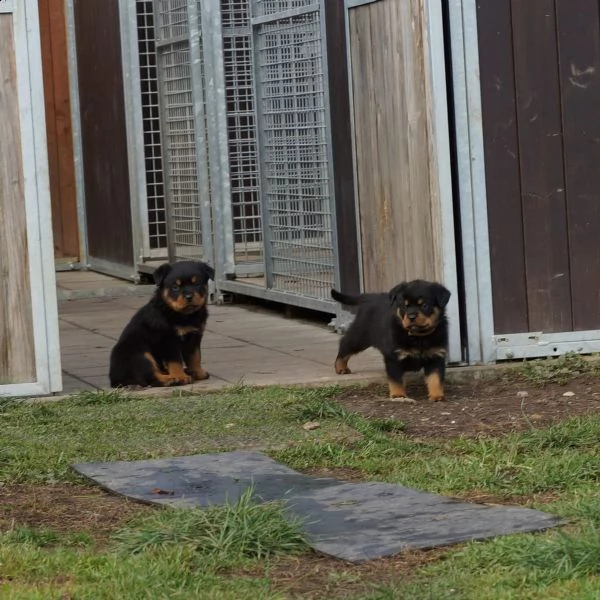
408	326
160	346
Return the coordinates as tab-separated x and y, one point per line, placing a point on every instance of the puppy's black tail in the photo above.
351	300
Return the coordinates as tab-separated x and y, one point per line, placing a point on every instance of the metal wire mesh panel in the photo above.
179	130
157	218
295	153
172	19
241	129
271	7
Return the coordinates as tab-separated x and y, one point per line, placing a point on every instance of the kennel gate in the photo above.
246	144
156	244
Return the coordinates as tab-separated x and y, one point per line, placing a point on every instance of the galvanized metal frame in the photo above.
266	236
539	344
154	182
302	299
441	134
144	217
471	181
134	130
235	41
193	39
163	121
201	107
205	36
218	149
355	3
36	187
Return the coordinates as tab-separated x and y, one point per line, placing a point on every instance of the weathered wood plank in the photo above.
399	229
578	23
17	354
103	131
503	184
541	160
58	127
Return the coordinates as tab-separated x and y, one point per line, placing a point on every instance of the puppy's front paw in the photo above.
437	397
185	380
200	375
169	380
341	366
403	399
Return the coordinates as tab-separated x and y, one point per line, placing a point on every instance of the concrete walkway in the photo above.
242	344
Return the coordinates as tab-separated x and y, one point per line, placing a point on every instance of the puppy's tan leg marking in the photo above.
195	366
164	379
397	390
176	371
341	365
435	387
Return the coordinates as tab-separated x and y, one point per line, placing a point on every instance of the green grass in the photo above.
229	534
539	461
230	552
38	442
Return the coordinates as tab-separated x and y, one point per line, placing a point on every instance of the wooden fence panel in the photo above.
498	98
398	196
540	69
541	160
58	128
578	24
17	353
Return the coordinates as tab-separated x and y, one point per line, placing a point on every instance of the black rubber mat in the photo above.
351	521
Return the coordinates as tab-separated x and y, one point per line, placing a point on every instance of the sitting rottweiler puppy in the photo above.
408	326
160	346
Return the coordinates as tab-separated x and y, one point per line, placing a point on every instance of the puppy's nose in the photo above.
412	317
188	296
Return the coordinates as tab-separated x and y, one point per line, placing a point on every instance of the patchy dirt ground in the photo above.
66	509
484	407
321	578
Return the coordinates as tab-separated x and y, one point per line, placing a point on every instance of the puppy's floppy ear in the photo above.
442	295
397	293
160	273
207	271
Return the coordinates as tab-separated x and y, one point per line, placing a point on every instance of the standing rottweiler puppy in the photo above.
408	326
160	346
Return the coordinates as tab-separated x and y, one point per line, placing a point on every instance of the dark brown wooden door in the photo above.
540	70
102	107
59	133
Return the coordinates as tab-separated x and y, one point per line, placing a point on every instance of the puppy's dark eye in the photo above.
425	306
175	288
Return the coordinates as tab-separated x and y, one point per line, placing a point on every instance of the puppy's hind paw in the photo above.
341	367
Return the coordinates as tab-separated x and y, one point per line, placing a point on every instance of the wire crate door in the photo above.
184	134
295	148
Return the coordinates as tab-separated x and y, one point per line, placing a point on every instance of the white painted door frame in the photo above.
30	85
